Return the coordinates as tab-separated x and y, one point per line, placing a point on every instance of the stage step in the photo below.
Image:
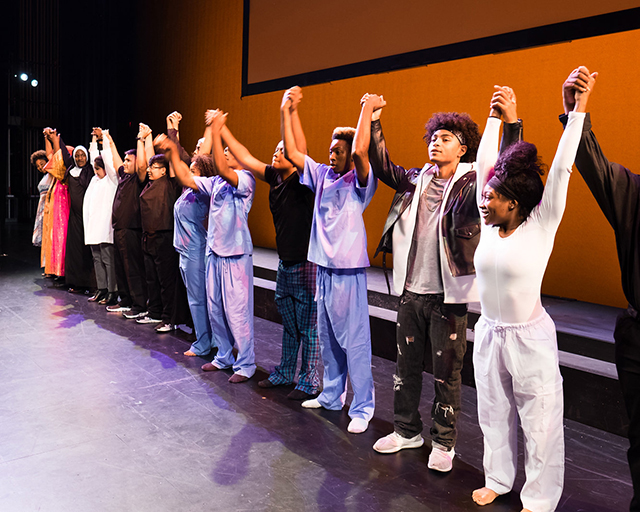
585	342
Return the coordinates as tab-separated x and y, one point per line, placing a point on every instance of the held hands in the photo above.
577	89
375	102
295	94
173	120
291	98
208	117
164	144
218	118
503	104
144	131
49	133
96	133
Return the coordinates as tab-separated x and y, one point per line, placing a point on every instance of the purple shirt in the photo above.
228	233
338	237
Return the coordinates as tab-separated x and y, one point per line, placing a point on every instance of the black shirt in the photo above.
126	204
617	191
156	204
291	205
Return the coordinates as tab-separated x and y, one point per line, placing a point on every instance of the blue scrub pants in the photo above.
345	340
192	269
230	304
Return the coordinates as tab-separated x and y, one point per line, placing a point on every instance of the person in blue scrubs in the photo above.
190	213
338	245
229	261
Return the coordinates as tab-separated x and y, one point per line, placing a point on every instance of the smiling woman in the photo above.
515	353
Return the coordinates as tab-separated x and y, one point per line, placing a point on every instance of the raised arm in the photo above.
117	160
360	151
383	168
148	144
141	155
554	198
48	147
614	187
295	94
173	123
182	171
503	104
218	120
67	158
207	143
107	156
242	154
291	150
93	146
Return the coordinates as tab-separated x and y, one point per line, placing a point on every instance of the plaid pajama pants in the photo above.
295	290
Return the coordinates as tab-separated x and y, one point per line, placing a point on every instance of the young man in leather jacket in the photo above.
432	229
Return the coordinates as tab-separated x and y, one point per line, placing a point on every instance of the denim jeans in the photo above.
429	330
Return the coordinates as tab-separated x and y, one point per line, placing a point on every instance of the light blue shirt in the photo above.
228	233
338	237
190	215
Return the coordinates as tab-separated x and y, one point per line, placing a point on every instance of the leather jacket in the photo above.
460	224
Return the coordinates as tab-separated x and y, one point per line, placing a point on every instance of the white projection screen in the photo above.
323	40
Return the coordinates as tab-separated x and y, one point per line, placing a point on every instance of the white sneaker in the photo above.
357	426
148	320
118	308
394	442
130	315
440	459
311	404
164	327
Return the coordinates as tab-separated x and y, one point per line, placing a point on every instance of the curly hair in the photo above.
520	168
41	154
456	122
345	133
205	165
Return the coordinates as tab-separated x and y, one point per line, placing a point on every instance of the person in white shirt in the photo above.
515	353
96	213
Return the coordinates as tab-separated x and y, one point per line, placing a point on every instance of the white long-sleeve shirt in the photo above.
98	200
510	270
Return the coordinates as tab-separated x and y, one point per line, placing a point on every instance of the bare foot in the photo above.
484	496
525	510
190	354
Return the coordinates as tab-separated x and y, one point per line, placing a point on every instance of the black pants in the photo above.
627	337
161	265
429	331
130	272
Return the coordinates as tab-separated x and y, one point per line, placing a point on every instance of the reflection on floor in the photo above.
99	413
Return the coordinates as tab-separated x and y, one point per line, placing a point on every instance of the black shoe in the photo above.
110	299
298	394
98	296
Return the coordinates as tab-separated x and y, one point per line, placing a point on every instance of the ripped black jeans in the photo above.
430	335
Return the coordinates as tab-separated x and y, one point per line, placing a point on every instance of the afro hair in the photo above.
456	122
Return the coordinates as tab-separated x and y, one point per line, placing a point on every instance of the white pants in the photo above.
516	370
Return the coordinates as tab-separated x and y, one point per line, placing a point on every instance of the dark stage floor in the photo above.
101	414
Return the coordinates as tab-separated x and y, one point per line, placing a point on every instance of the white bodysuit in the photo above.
515	347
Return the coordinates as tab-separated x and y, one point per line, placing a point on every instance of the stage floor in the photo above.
99	413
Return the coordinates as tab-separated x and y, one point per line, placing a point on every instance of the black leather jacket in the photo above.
460	219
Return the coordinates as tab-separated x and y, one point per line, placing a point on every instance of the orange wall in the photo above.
193	60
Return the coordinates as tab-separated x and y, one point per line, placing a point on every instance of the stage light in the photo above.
34	83
24	77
